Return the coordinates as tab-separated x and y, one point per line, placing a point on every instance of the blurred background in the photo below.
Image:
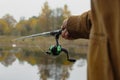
25	60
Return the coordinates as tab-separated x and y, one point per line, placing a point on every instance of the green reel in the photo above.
55	50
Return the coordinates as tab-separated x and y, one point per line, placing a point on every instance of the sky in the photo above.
29	8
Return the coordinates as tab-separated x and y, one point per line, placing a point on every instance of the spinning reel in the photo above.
55	50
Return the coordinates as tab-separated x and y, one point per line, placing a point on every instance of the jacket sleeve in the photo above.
79	26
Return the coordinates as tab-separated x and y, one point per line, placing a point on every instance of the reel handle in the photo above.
68	58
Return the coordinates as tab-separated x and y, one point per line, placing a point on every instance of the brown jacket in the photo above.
102	26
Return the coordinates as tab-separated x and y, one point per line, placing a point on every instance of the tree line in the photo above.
48	19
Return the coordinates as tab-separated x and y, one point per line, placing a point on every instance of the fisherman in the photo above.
101	25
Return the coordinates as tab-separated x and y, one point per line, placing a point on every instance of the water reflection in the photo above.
79	70
32	64
18	71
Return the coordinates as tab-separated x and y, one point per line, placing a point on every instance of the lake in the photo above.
18	63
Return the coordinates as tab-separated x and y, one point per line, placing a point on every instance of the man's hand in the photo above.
65	33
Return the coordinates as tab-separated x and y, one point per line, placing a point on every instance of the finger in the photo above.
66	35
63	33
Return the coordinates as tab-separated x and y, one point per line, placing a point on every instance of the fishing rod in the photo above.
50	33
54	50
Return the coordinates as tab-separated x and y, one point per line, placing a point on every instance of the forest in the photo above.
48	19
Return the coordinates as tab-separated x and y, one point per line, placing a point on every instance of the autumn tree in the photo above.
44	17
56	18
33	24
4	29
23	27
10	21
66	12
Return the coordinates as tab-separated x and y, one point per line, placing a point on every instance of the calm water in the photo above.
32	64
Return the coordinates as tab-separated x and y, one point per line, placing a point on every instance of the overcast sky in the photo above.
29	8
